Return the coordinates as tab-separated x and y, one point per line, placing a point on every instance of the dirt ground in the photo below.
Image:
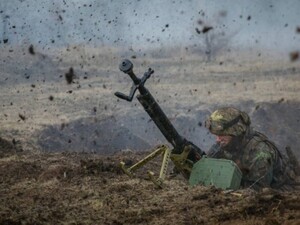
78	188
61	143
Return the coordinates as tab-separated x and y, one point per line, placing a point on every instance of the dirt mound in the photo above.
280	121
90	135
137	131
8	147
73	188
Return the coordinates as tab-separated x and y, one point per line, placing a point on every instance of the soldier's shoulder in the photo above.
260	141
261	148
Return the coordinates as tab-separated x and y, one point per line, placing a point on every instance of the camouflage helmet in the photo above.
228	121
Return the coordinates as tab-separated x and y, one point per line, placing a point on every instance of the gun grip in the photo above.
123	96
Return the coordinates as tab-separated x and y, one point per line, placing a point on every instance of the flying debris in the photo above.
70	75
22	117
206	29
294	56
31	50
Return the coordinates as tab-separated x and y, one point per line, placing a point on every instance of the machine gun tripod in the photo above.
184	153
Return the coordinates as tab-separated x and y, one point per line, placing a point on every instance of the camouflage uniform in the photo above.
260	161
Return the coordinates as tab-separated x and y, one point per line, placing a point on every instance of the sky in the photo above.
257	23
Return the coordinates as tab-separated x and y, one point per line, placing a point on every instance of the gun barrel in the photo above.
156	113
159	118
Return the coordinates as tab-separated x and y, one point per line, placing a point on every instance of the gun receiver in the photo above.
180	144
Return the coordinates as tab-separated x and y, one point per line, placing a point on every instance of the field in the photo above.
61	143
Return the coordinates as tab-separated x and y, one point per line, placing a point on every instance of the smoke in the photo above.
144	24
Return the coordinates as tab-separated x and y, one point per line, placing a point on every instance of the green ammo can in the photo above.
221	173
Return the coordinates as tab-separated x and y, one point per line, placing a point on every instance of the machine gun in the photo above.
184	153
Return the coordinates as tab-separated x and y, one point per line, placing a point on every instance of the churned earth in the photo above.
79	188
64	133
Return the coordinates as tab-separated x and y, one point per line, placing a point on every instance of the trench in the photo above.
280	121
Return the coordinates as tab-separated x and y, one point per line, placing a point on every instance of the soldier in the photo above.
260	161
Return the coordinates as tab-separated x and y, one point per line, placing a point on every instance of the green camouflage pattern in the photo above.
228	121
258	159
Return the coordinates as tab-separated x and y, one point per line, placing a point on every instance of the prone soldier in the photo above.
260	161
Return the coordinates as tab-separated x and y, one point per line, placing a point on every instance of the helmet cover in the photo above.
228	121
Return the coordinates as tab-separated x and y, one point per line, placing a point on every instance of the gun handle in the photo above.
123	96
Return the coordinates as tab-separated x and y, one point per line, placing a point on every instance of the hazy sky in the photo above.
255	23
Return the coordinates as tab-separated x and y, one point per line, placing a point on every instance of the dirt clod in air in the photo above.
31	50
22	117
70	75
294	56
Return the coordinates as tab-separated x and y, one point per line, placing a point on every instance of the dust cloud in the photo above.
141	24
59	68
63	132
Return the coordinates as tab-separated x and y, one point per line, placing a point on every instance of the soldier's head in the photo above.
227	123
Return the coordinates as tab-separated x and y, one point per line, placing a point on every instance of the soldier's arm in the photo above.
261	162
